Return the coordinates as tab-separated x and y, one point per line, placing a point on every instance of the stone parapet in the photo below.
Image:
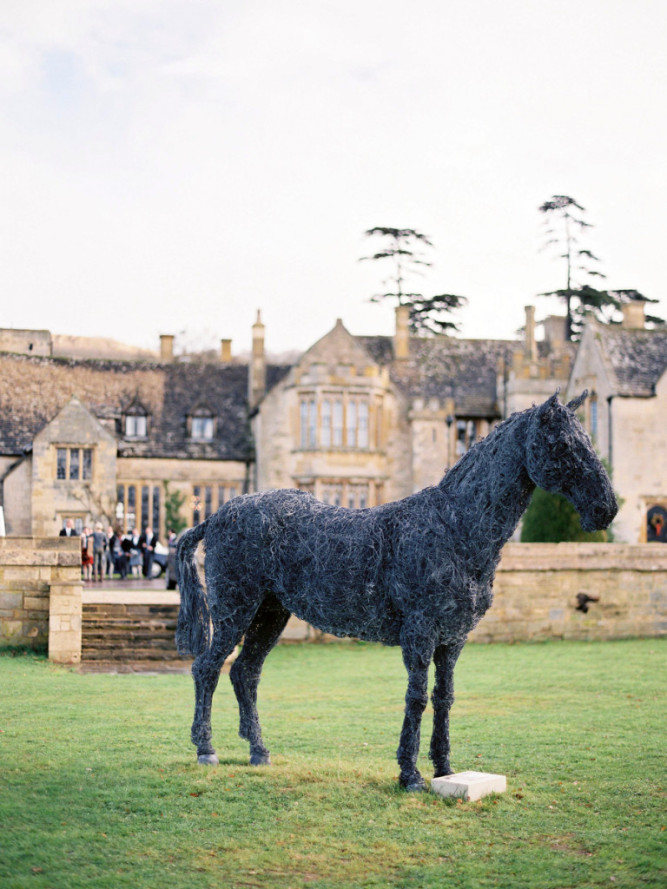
583	557
541	590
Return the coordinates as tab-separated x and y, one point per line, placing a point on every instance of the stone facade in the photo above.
625	370
357	420
73	466
537	369
335	426
364	420
101	440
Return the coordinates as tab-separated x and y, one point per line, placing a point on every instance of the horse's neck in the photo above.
489	487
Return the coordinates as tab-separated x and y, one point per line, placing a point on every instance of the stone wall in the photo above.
28	342
40	595
537	584
536	593
536	588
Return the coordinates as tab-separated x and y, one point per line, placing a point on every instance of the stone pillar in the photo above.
530	342
65	622
225	351
257	381
402	335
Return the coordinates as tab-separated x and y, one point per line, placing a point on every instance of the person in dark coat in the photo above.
69	530
124	557
147	543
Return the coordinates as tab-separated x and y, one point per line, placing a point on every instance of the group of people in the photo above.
112	552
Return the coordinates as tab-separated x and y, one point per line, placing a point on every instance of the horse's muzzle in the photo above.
600	515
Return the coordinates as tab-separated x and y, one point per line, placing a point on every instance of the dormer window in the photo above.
202	428
201	423
135	420
135	426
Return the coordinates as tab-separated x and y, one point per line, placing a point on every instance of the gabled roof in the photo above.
338	345
33	390
636	358
446	367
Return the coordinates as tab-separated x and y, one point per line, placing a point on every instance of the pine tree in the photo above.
565	225
403	251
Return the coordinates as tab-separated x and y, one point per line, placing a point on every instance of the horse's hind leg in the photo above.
206	672
264	632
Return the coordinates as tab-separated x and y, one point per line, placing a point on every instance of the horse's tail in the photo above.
193	632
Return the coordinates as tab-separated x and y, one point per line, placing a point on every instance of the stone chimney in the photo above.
402	335
166	347
554	329
225	351
530	346
257	380
634	314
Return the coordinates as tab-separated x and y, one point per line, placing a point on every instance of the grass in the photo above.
99	786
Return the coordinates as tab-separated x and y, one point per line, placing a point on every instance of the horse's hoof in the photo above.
413	784
260	759
208	759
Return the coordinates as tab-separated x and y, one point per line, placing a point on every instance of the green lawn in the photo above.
99	785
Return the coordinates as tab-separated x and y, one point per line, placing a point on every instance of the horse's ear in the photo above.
545	410
576	403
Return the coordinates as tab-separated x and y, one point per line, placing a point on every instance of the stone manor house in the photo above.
356	420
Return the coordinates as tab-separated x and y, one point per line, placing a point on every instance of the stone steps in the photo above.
129	632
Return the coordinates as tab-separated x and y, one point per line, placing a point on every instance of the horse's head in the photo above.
560	458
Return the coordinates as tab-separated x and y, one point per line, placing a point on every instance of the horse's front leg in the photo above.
444	657
416	657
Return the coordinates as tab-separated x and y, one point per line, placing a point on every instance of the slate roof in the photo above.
638	358
33	390
445	367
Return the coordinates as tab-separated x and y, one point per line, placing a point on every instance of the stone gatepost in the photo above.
40	595
65	622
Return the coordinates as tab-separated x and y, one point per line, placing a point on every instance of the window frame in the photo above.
132	419
70	468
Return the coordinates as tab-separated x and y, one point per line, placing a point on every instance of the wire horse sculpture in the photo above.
417	572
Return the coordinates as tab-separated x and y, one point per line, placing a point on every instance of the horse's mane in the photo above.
483	455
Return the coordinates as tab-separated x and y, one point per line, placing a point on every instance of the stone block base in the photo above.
469	785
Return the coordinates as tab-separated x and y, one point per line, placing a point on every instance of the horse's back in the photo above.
324	563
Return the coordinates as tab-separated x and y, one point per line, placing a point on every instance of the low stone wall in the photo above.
536	593
40	595
536	588
537	584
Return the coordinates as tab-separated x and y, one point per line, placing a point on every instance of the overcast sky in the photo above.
177	165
